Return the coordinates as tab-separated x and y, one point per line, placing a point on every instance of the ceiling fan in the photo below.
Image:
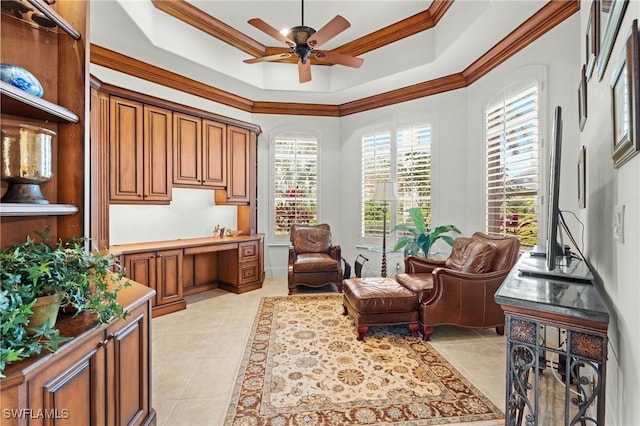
303	42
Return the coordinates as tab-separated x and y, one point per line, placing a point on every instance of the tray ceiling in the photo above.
207	41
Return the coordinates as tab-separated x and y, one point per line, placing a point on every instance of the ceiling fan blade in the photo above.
267	58
329	31
338	58
268	29
304	71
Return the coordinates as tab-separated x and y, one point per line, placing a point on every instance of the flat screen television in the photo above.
543	259
554	248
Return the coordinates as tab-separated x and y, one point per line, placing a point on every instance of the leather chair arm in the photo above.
443	277
335	252
415	265
292	256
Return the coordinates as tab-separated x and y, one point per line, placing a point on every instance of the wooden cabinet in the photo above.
200	152
140	141
214	154
59	60
242	270
239	173
101	377
175	268
162	271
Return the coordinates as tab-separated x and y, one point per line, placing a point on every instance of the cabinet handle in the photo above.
106	341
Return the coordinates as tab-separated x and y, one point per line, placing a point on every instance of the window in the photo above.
403	155
295	181
511	127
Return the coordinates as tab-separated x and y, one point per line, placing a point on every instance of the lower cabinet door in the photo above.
128	361
248	272
169	276
72	391
141	268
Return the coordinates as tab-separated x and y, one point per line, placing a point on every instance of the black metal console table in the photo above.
574	315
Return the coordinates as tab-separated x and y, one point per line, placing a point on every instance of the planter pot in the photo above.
26	162
45	311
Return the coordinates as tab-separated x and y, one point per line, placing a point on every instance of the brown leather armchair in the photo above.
460	290
313	261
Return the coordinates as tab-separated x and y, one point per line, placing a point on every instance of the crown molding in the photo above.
127	65
195	17
550	15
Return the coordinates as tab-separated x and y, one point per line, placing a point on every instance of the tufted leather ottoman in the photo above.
379	301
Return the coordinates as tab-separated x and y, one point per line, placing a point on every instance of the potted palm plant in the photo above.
78	280
418	239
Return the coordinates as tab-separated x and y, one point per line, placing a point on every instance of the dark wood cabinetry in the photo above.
238	164
187	150
162	271
59	62
200	152
214	154
205	151
178	267
140	142
101	377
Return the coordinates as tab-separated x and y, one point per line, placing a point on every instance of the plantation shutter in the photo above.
376	166
295	182
413	171
512	166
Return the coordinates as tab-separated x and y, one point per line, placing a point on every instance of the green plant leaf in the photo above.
404	228
418	219
402	241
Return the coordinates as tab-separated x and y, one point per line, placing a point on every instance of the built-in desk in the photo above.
175	268
562	321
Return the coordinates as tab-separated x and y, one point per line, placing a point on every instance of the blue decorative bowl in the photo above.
21	78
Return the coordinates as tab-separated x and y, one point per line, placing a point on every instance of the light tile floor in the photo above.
196	354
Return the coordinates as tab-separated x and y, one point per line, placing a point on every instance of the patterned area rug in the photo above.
304	366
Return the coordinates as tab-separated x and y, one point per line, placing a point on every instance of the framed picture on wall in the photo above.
625	101
611	14
592	42
582	178
582	98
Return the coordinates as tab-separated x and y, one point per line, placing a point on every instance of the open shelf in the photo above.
20	209
18	102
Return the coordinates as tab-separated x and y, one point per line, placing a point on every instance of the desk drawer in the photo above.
248	252
248	272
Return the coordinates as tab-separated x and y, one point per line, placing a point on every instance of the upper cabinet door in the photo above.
126	150
158	137
214	154
140	138
187	149
238	165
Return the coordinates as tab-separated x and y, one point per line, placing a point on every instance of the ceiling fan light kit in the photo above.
303	41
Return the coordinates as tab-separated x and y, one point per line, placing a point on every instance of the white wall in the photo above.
616	263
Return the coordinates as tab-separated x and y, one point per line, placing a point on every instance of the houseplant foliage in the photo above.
32	269
419	239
